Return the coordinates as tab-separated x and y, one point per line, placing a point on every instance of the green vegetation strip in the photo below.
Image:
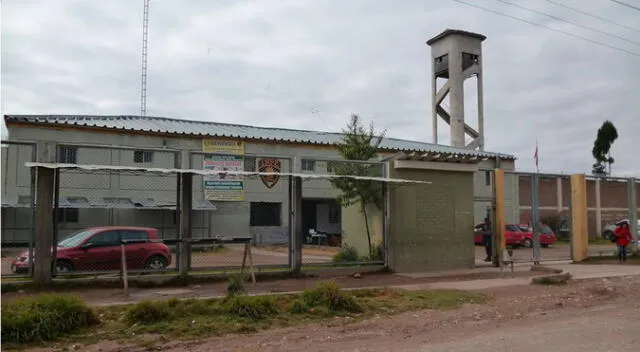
49	317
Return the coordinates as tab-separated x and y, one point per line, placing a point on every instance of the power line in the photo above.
627	5
594	16
549	28
569	22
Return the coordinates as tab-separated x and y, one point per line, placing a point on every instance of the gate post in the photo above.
44	225
580	237
499	216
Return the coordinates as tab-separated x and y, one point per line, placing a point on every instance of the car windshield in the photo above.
75	239
546	230
512	228
524	228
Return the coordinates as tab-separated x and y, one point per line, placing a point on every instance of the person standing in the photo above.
622	238
487	235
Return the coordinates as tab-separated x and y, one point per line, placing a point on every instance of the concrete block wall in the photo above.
431	225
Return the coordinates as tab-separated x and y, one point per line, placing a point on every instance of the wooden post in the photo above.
125	277
499	215
185	222
579	235
44	225
253	273
247	253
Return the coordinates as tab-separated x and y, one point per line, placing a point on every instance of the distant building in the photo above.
236	207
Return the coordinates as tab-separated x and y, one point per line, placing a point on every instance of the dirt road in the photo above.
587	315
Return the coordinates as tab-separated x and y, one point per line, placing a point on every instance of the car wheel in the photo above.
528	243
63	266
156	263
546	245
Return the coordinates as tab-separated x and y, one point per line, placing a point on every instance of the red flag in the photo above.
535	155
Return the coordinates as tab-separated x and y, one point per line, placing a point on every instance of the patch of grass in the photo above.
348	253
329	295
194	318
44	318
236	285
254	308
377	253
149	312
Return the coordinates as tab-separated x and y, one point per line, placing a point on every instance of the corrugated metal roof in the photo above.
217	129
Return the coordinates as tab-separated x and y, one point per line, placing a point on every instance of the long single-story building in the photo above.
222	206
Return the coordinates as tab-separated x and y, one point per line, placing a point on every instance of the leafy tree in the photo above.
607	134
361	144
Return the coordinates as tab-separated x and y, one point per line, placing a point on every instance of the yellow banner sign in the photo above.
222	146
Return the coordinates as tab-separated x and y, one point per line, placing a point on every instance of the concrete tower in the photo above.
456	55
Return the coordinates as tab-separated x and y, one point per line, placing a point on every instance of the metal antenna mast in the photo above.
145	42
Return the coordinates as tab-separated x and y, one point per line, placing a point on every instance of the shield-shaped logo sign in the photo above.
269	165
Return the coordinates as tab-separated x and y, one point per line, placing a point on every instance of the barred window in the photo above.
308	165
249	163
142	156
68	155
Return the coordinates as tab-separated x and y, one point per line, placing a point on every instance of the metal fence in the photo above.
544	217
342	219
97	211
18	210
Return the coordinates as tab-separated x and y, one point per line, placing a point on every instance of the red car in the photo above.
98	249
547	237
512	235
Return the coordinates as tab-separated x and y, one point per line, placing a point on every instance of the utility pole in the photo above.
145	43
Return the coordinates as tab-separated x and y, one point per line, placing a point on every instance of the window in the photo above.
330	166
487	178
68	155
334	213
105	239
142	156
68	215
249	164
133	235
308	165
265	214
512	228
75	239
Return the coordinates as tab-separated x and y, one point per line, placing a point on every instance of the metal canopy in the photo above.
214	172
438	157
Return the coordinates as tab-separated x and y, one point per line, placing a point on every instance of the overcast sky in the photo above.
309	64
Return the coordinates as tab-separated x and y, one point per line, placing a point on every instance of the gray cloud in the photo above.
309	64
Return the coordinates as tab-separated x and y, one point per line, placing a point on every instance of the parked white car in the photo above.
607	232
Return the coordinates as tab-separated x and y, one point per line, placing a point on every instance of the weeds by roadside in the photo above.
240	313
44	318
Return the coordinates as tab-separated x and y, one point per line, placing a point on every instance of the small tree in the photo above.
607	134
359	144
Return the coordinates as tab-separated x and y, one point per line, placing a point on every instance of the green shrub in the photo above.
328	294
297	306
236	285
44	318
149	312
377	252
257	307
347	254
